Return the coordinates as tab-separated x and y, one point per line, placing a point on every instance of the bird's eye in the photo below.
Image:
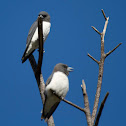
44	16
65	66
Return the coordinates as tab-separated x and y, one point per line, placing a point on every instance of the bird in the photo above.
58	83
32	42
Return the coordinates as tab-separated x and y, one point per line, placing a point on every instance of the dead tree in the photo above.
92	119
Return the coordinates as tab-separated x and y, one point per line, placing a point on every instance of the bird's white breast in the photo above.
59	84
34	44
46	30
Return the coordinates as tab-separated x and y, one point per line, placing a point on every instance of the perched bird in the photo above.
32	39
57	82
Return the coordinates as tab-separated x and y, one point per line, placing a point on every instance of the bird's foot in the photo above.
43	50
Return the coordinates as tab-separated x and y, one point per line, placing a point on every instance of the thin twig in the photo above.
107	54
96	30
100	109
93	58
104	14
68	102
86	103
105	27
74	105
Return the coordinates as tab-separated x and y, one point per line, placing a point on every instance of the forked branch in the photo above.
101	109
101	67
40	38
37	68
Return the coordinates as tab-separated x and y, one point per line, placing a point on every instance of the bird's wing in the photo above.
50	103
31	32
49	79
52	110
49	107
30	35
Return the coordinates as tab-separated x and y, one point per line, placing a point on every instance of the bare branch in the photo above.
40	38
68	102
86	103
41	86
105	27
100	75
104	14
37	68
96	30
83	86
93	58
74	105
50	121
107	54
100	109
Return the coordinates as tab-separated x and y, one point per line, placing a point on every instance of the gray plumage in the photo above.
59	67
59	83
32	39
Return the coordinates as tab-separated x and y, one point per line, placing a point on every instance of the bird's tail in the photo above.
43	117
23	59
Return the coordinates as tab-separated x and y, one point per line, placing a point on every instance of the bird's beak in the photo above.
41	16
69	69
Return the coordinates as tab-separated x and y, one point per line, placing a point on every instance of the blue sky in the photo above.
69	41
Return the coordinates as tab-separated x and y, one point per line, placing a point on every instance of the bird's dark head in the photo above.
45	16
63	68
